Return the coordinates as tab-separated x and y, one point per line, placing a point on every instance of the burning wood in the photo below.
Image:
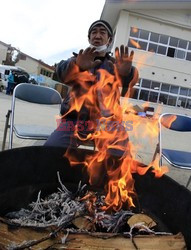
79	212
143	218
65	209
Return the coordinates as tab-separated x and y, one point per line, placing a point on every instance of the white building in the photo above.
160	34
3	51
35	67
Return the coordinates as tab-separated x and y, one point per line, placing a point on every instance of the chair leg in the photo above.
188	182
157	151
5	129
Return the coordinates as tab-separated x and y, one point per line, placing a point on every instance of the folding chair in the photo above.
177	158
32	94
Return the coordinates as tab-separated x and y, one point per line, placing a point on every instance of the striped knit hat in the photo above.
103	23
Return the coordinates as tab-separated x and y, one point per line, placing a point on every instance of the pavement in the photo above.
42	114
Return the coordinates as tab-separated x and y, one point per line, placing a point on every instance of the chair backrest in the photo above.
176	122
33	94
37	94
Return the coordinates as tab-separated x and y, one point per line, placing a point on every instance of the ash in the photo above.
62	208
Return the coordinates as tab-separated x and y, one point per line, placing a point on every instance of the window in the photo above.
163	39
182	44
183	91
133	43
153	96
152	47
144	95
181	102
172	100
180	54
165	87
173	41
164	93
188	56
161	50
154	37
155	85
143	45
134	32
144	34
188	104
189	46
146	83
174	89
45	72
171	52
160	44
163	98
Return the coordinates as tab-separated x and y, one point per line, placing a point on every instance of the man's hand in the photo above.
85	59
123	60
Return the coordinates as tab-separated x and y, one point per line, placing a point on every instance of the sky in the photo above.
49	30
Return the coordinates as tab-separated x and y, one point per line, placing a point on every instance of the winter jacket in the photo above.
64	65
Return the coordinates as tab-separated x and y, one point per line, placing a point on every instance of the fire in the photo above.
115	155
135	44
167	121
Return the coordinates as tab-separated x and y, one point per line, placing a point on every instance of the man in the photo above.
92	59
10	84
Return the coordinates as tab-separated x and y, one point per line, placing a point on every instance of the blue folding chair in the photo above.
176	158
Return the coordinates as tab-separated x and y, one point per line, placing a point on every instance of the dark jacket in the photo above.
63	66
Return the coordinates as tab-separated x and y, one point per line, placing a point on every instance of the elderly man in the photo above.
95	57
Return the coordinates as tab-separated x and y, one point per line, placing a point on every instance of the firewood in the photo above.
83	223
141	218
84	241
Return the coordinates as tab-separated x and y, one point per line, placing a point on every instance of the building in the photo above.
160	34
4	49
41	71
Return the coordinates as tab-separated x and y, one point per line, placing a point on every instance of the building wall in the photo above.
40	72
152	66
3	53
30	65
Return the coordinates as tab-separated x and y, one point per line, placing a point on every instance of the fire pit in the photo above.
26	171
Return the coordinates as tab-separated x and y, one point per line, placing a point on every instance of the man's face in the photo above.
98	36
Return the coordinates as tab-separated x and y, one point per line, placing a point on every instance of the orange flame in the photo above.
111	137
167	121
135	44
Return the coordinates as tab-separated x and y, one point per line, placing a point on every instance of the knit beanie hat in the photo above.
103	23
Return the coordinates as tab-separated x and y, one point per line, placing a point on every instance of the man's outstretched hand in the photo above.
123	60
85	59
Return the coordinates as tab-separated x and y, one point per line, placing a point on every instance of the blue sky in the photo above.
48	29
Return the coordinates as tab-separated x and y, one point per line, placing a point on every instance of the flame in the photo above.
135	44
114	161
135	30
168	120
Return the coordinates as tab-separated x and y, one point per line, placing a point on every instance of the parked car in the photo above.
20	75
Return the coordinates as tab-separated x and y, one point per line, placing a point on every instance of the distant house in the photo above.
4	49
159	32
37	68
40	71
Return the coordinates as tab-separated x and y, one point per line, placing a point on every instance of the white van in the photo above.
4	73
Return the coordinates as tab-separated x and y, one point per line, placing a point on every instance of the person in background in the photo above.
96	56
10	84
